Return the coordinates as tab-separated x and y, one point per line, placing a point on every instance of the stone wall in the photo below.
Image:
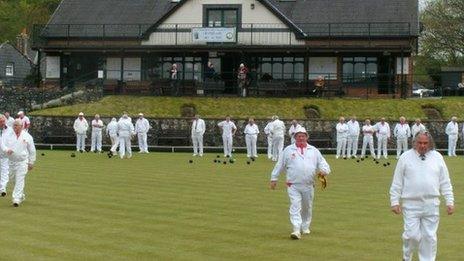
62	128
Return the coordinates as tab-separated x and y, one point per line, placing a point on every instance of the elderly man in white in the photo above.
228	131
278	136
291	130
20	148
267	131
353	137
198	130
420	177
25	120
416	128
452	130
251	136
126	131
342	136
4	165
368	138
402	132
96	137
301	162
383	132
112	132
80	127
142	126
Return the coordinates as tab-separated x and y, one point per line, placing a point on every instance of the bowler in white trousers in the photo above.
368	138
198	130
278	137
342	137
452	130
125	134
96	138
267	131
301	162
402	132
421	176
4	165
80	127
142	126
383	133
112	132
353	137
228	131
251	136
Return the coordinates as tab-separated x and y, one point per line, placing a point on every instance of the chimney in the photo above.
22	41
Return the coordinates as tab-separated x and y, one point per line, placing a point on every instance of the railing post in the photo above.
104	34
67	34
251	34
176	34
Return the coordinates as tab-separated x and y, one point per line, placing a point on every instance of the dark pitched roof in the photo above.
300	15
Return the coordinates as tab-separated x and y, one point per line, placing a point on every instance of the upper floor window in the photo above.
9	70
221	17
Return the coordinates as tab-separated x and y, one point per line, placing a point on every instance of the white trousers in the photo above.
197	141
250	141
452	140
341	147
227	142
420	231
401	146
80	141
18	171
382	146
125	147
277	147
142	140
4	168
114	142
368	140
269	146
301	202
352	145
96	141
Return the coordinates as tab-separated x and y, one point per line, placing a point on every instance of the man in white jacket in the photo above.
142	126
251	136
301	162
368	138
112	132
452	130
228	131
96	137
420	177
416	128
353	137
267	131
4	165
402	132
20	148
198	130
382	130
342	136
80	127
125	134
278	136
291	130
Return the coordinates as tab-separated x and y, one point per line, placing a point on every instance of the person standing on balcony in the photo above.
228	131
402	132
198	130
25	120
278	137
382	129
242	78
342	136
292	129
174	80
319	85
353	137
80	127
251	136
112	132
368	138
267	131
210	72
142	126
452	130
97	128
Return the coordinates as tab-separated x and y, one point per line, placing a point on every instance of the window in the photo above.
278	68
359	69
9	70
221	17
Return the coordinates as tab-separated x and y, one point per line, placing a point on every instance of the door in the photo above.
385	75
228	68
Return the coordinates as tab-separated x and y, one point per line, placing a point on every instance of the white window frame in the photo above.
9	69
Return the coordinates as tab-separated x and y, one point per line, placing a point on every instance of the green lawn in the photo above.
260	107
160	207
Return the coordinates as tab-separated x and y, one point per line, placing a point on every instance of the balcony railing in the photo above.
245	34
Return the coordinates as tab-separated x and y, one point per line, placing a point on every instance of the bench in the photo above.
273	88
320	139
110	86
173	138
136	87
213	87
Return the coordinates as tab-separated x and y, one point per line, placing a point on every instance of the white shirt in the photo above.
342	130
300	168
417	128
291	130
368	130
382	129
418	181
9	122
402	131
227	128
267	129
97	125
251	129
125	127
81	126
353	128
142	125
112	128
452	128
278	128
198	127
4	132
23	147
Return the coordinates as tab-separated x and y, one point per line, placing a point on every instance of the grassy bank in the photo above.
260	107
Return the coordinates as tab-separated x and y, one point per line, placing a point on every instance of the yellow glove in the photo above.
323	180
